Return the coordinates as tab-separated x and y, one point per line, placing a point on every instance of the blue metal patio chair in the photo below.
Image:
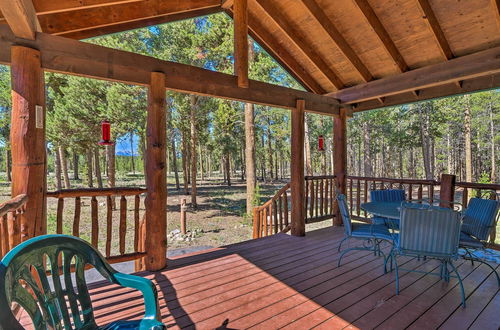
480	218
63	304
432	232
370	233
387	195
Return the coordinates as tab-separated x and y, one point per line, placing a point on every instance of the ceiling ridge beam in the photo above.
483	63
21	17
293	35
382	34
337	38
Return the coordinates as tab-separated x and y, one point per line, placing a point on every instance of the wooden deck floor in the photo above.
294	282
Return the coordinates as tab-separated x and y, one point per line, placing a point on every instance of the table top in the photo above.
391	210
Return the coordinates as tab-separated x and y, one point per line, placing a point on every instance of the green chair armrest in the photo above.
148	290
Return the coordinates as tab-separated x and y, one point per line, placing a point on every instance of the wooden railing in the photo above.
358	191
11	230
273	216
111	231
320	198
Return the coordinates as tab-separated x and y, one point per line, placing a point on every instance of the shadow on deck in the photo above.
294	282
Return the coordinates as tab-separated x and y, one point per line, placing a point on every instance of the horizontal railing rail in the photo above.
11	225
120	238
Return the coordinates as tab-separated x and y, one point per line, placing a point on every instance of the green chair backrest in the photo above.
24	280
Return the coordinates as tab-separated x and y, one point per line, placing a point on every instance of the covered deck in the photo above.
294	282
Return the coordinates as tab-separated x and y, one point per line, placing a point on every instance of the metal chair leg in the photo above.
340	244
397	273
462	291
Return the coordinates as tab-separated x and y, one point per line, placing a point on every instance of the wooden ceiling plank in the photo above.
437	32
95	17
126	26
240	20
337	38
69	56
292	33
21	17
267	41
382	34
483	63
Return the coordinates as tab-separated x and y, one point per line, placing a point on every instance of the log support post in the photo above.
340	157
447	190
27	138
156	174
241	42
297	170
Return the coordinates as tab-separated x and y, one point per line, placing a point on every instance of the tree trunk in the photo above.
110	157
467	137
493	175
76	166
57	166
250	155
64	167
185	164
90	179
132	151
194	143
202	165
425	139
97	167
228	169
307	147
368	166
174	164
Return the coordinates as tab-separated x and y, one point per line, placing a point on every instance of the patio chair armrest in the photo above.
148	290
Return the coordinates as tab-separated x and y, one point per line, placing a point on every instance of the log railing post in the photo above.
27	137
297	170
340	157
447	190
156	175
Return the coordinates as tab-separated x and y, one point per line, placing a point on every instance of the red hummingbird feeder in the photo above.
106	134
321	143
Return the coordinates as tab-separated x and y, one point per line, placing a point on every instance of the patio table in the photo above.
391	210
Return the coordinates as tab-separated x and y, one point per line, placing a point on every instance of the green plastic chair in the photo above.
64	305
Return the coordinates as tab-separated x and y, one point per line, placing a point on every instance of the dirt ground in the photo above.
218	220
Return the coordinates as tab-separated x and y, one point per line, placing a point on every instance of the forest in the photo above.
210	137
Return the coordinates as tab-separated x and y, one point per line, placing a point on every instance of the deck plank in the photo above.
294	283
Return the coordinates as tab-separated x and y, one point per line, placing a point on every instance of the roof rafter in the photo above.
99	31
338	39
437	32
299	42
280	54
21	17
382	34
62	23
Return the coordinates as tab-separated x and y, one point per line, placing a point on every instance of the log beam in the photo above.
447	190
156	174
297	170
21	17
68	56
483	63
240	19
340	157
27	137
